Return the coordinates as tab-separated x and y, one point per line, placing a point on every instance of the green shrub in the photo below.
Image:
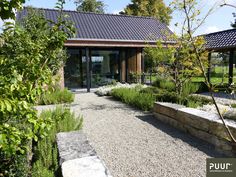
164	83
197	99
143	101
165	96
151	90
17	166
45	152
190	87
202	87
57	97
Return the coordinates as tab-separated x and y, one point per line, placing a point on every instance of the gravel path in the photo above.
134	144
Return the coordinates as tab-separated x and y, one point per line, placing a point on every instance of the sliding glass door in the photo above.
104	68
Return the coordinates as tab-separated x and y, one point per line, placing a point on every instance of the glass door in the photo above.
75	69
105	67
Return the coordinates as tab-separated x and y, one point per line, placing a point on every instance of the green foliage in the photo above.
133	97
45	152
167	96
164	83
178	63
190	87
15	166
150	8
30	54
57	96
7	8
90	6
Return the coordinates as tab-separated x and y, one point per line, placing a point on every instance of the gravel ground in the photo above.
134	144
221	97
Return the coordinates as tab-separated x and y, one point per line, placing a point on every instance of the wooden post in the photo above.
139	61
231	65
209	68
88	69
123	66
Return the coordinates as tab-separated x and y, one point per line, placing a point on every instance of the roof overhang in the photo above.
219	49
112	43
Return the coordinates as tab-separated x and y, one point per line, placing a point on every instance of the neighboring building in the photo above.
222	52
106	47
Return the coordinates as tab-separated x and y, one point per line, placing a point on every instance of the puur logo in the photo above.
220	167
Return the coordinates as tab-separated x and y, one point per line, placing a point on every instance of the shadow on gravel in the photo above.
175	133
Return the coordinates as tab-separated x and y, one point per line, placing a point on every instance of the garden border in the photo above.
204	125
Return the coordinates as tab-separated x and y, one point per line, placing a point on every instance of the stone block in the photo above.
73	145
219	130
170	121
85	167
168	109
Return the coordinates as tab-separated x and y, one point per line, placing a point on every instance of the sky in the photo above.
217	21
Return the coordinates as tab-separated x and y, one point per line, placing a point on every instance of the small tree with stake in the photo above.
190	25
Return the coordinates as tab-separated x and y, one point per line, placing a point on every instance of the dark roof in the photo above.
110	27
221	40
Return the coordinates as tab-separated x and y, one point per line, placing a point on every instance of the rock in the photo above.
85	167
73	145
230	114
168	109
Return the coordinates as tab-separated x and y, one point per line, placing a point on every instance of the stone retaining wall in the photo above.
201	124
78	158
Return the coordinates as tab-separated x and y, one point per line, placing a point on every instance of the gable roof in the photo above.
221	40
109	27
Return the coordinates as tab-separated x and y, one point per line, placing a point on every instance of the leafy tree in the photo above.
191	22
30	55
177	63
7	8
90	6
150	8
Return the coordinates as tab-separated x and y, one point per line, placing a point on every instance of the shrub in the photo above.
164	83
202	87
57	97
190	87
143	101
151	90
45	160
165	96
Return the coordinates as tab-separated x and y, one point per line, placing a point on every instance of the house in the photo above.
106	47
221	48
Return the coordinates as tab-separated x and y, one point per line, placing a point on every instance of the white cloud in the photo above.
116	11
212	29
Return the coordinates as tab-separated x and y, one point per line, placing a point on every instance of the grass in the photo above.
45	159
57	96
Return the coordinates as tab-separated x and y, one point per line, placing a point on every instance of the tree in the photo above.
7	8
191	22
90	6
234	14
150	8
177	63
31	52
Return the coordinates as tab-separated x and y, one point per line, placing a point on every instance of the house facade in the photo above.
106	47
